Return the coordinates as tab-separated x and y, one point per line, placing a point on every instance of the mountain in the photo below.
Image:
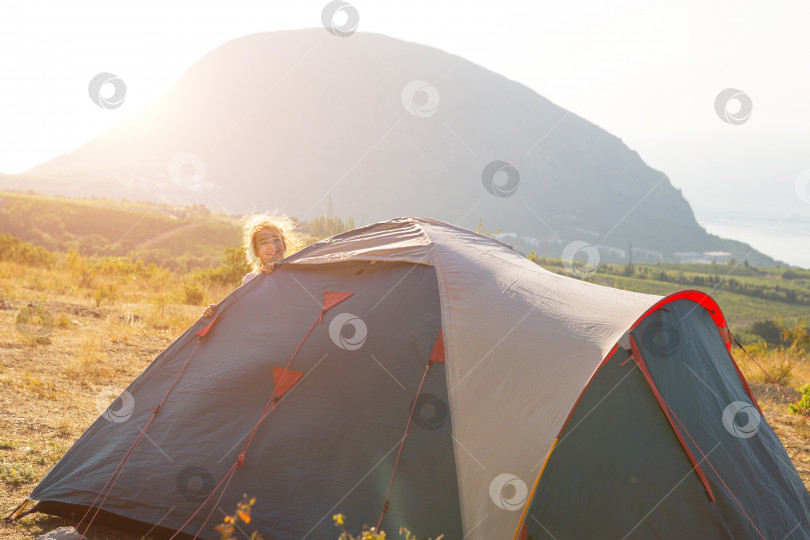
373	127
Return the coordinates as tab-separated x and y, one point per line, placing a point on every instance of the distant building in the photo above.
705	257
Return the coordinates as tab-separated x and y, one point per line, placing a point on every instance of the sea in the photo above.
785	238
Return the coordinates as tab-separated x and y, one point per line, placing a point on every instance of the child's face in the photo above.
269	246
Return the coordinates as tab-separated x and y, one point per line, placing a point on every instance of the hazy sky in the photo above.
649	72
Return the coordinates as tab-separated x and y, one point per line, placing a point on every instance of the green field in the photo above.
745	294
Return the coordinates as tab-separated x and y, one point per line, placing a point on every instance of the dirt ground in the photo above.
57	376
51	390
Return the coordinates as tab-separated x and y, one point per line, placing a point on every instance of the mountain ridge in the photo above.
304	121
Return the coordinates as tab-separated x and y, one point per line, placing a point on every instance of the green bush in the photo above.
15	250
94	244
231	271
797	338
193	293
804	402
769	330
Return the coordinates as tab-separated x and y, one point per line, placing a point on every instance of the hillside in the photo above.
380	128
186	237
192	237
181	238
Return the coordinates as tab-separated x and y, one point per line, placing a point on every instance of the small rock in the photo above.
62	533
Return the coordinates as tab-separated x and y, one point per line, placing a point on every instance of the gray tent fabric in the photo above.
331	442
757	489
512	331
640	482
615	462
477	352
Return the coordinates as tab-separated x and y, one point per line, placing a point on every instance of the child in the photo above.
266	241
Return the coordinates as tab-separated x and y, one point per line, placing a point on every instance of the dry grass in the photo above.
50	389
789	368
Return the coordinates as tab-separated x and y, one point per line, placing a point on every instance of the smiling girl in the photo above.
266	241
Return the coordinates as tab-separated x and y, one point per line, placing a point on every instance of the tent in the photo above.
413	373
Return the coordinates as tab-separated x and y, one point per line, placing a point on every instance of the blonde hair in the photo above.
280	224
